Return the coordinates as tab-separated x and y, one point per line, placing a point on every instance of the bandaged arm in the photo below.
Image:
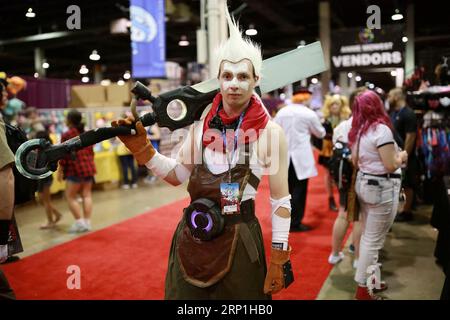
279	192
175	171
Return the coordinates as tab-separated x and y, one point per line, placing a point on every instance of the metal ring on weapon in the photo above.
176	110
21	161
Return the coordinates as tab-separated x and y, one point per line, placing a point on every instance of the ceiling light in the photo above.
358	78
314	80
105	82
393	73
371	86
85	79
397	15
36	75
30	13
127	75
183	42
84	70
120	82
45	65
405	39
301	44
94	56
350	75
251	31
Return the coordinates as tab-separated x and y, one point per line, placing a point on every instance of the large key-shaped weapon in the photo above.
37	158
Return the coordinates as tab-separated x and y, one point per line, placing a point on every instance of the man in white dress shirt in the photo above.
298	123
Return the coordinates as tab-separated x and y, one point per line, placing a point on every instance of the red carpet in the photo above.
128	260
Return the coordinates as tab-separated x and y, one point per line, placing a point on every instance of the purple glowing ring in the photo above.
208	216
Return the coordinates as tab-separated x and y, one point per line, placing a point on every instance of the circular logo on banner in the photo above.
143	25
366	36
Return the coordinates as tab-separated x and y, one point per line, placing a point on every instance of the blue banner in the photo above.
148	38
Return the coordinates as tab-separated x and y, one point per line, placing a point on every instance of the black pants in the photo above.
6	293
446	290
127	163
298	190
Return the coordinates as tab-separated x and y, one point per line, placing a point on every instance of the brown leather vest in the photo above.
204	263
204	184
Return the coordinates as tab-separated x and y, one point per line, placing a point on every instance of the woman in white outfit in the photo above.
341	224
378	182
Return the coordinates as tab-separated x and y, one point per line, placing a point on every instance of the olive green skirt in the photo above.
245	280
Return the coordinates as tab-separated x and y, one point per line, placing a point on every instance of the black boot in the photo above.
404	216
332	204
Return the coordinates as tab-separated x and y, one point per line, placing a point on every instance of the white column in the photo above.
399	77
352	86
343	82
409	54
202	41
38	61
289	91
324	32
223	20
304	83
215	16
98	73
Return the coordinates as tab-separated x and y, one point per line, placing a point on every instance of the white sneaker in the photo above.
125	187
78	226
332	259
150	179
355	264
88	225
134	186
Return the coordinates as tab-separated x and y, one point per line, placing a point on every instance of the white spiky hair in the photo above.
236	48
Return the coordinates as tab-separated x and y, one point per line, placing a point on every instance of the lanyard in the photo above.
235	140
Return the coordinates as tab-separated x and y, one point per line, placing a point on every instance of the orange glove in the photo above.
138	144
275	278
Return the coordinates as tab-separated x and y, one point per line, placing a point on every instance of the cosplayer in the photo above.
335	110
217	250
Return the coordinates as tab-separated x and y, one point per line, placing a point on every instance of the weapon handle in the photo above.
86	139
91	137
142	92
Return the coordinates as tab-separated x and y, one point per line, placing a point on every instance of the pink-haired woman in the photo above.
378	182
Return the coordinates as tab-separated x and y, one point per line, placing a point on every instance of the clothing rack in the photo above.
432	108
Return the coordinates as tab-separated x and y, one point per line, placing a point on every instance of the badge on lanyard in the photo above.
229	198
229	192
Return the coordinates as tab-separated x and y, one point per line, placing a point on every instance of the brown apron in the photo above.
203	264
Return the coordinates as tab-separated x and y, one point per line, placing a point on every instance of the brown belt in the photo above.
247	213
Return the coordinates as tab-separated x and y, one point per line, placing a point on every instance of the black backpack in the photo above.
24	188
340	165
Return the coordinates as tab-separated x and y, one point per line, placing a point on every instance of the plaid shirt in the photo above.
83	165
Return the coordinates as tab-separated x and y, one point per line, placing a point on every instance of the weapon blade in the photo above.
292	66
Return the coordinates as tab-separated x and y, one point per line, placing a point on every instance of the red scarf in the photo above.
255	118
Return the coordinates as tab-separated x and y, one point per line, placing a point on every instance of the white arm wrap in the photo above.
161	165
280	225
182	173
284	202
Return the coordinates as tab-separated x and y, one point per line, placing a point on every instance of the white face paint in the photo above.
239	75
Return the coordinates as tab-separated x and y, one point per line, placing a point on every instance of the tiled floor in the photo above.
408	264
